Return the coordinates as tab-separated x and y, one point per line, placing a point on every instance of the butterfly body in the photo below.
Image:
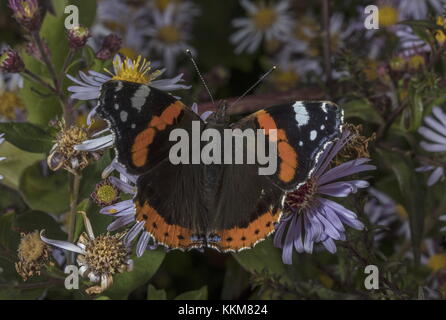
224	205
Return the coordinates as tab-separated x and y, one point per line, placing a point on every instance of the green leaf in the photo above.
15	163
362	109
144	268
200	294
264	258
41	108
155	294
417	108
412	192
37	220
8	238
48	193
27	136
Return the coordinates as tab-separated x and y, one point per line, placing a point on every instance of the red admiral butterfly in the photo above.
228	207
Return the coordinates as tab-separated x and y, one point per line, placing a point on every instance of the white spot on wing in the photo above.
116	106
301	112
324	107
301	143
139	98
118	87
133	126
313	135
322	127
123	116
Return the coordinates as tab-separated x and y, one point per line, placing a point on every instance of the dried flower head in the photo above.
64	155
33	254
27	13
356	147
99	258
77	37
10	61
105	193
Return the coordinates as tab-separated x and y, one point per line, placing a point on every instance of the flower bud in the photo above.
10	61
27	13
110	46
78	36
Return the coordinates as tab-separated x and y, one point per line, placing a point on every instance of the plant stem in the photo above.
327	41
46	60
72	215
39	80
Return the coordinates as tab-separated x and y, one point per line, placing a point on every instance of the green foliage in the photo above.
144	269
27	137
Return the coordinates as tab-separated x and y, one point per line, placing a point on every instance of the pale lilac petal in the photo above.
61	244
435	176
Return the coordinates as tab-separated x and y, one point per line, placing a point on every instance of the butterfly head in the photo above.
220	116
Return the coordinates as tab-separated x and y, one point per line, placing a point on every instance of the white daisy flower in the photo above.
264	22
120	17
184	11
418	9
89	86
98	257
169	37
410	43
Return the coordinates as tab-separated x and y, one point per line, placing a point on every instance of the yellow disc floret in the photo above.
137	71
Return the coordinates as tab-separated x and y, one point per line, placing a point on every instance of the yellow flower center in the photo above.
9	102
416	61
264	18
128	52
31	247
169	34
401	211
133	71
326	280
388	16
439	34
397	63
106	193
114	26
162	4
28	12
285	80
437	262
370	70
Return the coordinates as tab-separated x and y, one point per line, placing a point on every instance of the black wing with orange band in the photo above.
250	204
168	198
142	117
303	129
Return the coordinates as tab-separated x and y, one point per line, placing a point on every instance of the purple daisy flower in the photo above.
434	131
309	217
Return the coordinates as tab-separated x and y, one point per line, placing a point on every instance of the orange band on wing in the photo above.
140	147
172	236
288	162
236	239
287	154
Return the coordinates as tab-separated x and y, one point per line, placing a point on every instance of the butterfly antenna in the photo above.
254	85
189	53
